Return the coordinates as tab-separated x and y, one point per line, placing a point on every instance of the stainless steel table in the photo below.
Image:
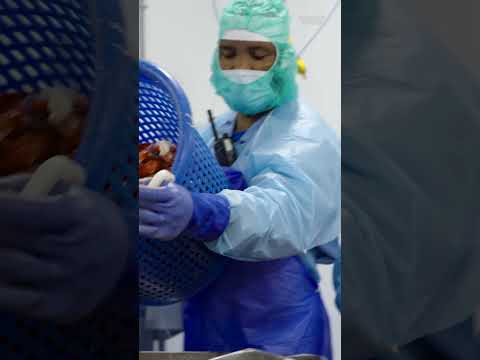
241	355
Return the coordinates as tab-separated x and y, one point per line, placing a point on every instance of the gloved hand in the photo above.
59	256
168	211
235	179
164	212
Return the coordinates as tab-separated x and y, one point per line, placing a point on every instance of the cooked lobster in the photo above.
34	128
155	157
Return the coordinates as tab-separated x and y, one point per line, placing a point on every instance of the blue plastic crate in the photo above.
77	44
173	271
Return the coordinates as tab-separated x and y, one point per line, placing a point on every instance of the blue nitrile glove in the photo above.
167	211
235	179
60	256
164	212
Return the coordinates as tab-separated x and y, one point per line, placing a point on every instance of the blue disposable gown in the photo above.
267	298
291	162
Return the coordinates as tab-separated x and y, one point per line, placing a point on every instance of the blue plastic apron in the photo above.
272	306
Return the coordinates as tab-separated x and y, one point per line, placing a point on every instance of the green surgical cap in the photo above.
269	18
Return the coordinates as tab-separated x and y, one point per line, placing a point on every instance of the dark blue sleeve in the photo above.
211	215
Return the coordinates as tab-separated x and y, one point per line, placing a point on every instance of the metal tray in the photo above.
241	355
178	356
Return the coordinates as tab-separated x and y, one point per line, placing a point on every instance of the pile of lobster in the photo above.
152	158
37	127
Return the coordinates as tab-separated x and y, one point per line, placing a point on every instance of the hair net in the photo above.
269	18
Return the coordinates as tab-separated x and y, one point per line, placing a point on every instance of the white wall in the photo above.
181	36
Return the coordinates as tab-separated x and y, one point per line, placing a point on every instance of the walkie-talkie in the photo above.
224	147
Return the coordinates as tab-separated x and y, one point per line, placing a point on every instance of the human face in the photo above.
246	55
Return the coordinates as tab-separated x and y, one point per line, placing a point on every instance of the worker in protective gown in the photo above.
410	198
282	211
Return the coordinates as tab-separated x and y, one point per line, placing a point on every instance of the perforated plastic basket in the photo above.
77	44
172	271
50	43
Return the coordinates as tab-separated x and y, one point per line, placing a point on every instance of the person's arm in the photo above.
289	207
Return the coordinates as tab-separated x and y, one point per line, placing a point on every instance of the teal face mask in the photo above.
249	93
